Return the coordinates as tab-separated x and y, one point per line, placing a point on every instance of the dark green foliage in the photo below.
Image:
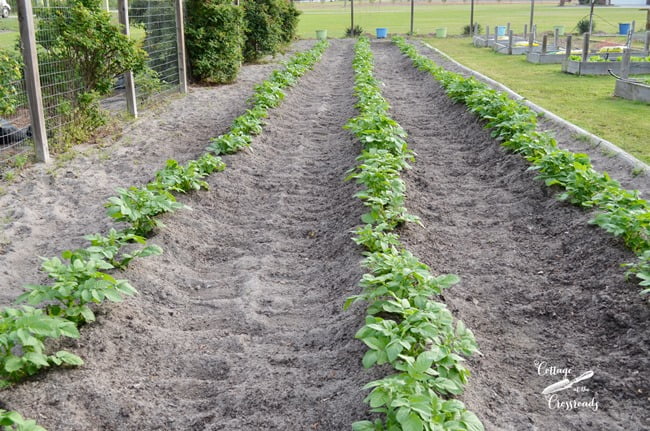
270	24
263	28
214	37
466	29
289	18
353	32
85	38
583	26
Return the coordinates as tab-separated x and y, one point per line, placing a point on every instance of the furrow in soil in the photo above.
541	289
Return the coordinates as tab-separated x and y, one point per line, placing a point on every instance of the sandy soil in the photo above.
239	323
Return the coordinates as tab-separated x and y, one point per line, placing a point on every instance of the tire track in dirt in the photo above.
538	283
52	208
239	325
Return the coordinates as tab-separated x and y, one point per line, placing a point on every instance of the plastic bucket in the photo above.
321	34
560	30
623	28
381	32
501	30
441	32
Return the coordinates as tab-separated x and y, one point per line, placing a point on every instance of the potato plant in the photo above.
13	421
23	332
140	206
81	281
404	327
618	211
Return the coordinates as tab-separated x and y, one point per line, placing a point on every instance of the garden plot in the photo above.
239	324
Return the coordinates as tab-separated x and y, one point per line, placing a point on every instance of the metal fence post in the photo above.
33	80
180	42
129	85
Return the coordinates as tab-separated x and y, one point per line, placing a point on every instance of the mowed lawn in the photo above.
335	16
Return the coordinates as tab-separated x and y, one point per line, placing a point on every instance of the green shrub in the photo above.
263	28
466	29
10	73
583	26
353	32
215	38
289	18
88	40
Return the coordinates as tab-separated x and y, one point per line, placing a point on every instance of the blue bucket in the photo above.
381	33
624	28
501	30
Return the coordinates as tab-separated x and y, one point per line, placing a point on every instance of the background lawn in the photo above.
335	16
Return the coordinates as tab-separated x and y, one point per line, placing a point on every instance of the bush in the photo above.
289	18
466	29
86	38
583	26
10	75
263	28
215	37
354	32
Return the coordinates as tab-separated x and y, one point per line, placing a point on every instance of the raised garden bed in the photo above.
602	67
631	90
547	58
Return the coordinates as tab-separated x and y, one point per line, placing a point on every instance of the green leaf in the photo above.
472	422
370	358
69	358
13	364
412	422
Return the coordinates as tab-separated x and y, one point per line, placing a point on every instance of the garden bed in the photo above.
632	90
239	325
539	58
602	67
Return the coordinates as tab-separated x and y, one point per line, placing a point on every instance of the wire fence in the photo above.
14	109
152	24
155	20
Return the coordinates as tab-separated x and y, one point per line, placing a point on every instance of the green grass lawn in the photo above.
583	100
335	16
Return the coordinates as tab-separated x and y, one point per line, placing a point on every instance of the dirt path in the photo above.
239	325
540	287
51	208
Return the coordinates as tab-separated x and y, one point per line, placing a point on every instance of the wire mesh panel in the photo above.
60	84
154	22
14	110
15	132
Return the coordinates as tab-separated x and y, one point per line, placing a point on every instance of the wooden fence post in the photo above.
510	42
33	80
544	44
556	38
567	54
585	47
180	42
487	35
129	85
625	64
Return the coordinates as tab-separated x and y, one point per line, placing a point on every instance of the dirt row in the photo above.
541	289
239	324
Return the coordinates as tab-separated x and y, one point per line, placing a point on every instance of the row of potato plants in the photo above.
620	212
404	326
81	277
